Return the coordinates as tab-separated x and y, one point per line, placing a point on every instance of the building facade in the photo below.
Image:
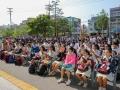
115	20
74	26
91	25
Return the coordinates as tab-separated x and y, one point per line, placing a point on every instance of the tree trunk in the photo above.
102	32
64	33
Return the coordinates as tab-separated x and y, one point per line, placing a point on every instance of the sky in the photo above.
83	9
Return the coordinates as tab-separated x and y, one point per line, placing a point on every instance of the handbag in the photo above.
104	68
83	66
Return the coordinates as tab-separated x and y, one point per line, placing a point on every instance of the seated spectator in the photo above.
39	56
25	54
115	47
57	63
50	55
84	68
35	49
106	68
68	66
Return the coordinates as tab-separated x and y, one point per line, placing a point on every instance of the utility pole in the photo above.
49	8
55	19
10	13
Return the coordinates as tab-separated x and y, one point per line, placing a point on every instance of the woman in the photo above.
84	67
106	69
96	52
50	55
39	56
57	63
26	54
69	65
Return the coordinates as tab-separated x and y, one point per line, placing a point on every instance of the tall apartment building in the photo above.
74	25
115	20
91	25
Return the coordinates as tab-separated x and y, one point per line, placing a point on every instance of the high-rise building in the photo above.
74	25
91	25
115	20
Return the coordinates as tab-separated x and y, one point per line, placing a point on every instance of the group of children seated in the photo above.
80	59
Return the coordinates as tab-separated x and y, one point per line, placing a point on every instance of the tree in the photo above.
63	26
40	25
21	30
101	23
57	12
7	32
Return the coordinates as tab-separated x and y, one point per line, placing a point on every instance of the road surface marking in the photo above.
6	85
19	83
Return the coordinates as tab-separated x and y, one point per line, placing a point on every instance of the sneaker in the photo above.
100	88
52	73
85	85
60	80
81	83
68	82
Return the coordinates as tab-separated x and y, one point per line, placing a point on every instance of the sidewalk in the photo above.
6	85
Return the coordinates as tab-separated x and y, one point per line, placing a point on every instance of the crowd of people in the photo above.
66	56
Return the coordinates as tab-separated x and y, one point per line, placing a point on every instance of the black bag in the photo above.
18	61
32	68
2	55
118	77
6	58
41	69
11	59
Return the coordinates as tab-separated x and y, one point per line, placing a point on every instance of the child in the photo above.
106	69
69	65
84	68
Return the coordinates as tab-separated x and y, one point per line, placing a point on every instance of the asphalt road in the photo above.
10	86
43	83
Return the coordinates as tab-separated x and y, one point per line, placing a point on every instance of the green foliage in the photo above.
21	31
43	25
7	32
40	25
62	25
15	32
101	21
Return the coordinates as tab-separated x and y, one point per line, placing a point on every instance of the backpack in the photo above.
6	58
11	59
32	68
2	55
18	61
114	63
41	69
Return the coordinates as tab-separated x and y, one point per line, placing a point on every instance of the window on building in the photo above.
91	29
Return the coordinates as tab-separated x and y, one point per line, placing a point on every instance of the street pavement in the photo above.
42	83
6	85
